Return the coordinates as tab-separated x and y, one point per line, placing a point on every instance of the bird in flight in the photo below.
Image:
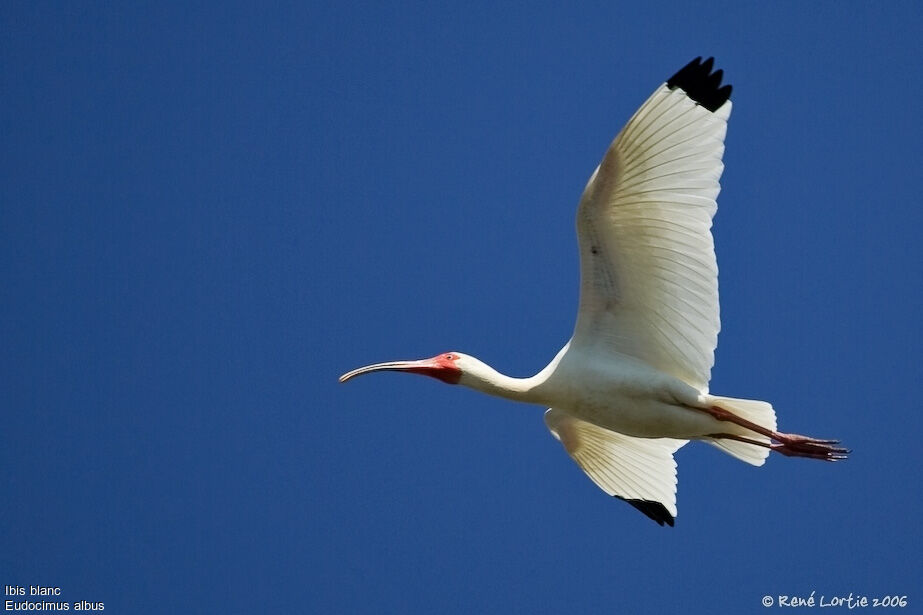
631	385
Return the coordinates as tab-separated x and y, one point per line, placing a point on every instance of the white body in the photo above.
628	388
623	394
631	386
610	390
614	391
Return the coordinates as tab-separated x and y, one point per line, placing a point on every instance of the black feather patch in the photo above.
654	510
700	84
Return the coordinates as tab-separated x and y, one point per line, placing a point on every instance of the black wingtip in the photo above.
653	510
700	84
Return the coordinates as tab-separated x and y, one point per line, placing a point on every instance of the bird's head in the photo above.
448	367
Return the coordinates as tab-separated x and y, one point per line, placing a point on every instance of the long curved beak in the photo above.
435	367
390	366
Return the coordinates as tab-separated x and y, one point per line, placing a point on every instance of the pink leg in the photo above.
789	444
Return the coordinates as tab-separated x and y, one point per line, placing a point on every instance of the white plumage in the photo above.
649	281
631	386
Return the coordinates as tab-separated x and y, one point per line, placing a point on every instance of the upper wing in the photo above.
649	281
640	471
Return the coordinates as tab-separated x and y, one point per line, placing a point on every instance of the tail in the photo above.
759	412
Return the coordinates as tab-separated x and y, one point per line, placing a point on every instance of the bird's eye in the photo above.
450	357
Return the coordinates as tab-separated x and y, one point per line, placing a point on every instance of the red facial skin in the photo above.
441	367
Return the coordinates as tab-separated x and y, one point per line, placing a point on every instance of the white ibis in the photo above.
631	385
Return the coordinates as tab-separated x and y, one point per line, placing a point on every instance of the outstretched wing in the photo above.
640	471
649	281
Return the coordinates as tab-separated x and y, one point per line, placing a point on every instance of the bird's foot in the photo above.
795	445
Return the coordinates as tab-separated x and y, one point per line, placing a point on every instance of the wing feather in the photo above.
649	279
639	470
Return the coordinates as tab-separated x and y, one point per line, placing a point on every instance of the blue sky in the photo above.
210	211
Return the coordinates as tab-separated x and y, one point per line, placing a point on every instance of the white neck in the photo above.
482	377
490	381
